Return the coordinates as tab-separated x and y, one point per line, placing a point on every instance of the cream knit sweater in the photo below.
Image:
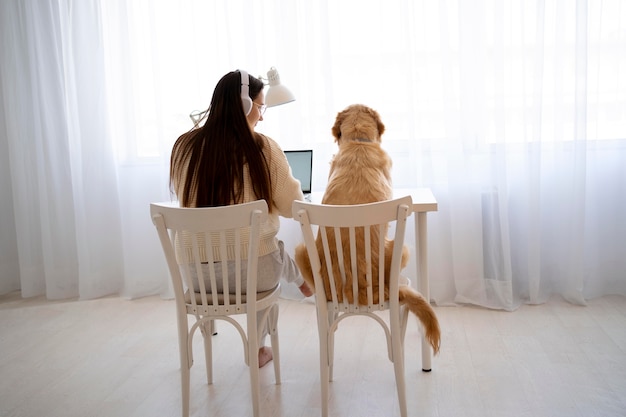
285	189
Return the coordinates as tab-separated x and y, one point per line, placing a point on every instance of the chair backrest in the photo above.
355	264
198	242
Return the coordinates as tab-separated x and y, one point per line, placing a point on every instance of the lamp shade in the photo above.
277	93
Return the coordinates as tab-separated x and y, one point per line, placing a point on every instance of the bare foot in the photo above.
265	355
305	290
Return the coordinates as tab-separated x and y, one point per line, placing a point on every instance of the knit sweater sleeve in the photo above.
285	188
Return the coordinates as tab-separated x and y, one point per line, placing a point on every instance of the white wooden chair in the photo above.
349	233
185	233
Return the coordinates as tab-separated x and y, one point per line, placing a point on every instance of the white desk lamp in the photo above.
276	95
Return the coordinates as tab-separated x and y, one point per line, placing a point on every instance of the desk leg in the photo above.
421	234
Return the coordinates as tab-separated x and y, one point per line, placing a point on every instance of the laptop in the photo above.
301	163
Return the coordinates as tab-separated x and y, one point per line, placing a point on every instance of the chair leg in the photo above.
253	361
186	361
185	369
404	319
207	332
398	367
273	331
184	382
325	367
331	346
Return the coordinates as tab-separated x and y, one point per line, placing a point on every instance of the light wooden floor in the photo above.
114	357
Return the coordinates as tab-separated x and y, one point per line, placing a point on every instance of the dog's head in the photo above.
358	123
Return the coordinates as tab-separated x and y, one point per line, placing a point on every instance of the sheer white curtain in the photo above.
61	232
513	113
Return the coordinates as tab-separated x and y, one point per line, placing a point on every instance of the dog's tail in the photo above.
424	312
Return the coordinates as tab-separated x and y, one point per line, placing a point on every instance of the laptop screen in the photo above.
301	163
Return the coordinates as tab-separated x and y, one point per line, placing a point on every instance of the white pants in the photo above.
270	269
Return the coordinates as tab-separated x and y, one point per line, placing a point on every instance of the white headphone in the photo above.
246	101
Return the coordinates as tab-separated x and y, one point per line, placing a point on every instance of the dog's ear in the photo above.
336	130
379	122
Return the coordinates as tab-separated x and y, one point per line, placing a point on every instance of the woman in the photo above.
226	162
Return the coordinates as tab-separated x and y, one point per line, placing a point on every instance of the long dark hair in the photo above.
206	166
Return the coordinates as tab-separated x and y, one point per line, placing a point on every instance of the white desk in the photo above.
423	202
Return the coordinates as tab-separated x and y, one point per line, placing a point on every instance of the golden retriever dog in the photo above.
360	173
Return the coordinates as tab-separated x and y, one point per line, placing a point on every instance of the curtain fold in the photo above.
513	113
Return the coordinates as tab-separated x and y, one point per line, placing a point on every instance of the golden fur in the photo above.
360	173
